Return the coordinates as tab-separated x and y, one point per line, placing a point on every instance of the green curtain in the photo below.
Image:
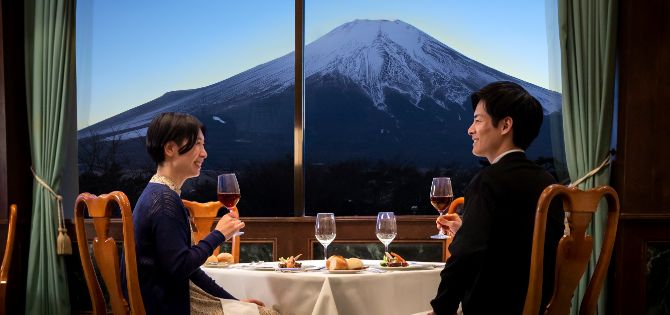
50	76
588	40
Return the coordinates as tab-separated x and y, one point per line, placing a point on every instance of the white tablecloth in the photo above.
323	293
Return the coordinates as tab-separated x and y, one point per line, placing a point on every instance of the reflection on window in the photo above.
387	96
232	66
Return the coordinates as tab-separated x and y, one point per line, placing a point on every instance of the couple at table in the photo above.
488	270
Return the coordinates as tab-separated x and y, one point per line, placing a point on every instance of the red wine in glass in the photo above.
441	196
229	200
440	203
228	192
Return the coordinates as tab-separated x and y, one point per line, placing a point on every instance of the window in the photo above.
387	89
231	65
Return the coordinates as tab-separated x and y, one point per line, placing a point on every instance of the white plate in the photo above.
303	266
248	266
345	271
410	267
263	268
216	265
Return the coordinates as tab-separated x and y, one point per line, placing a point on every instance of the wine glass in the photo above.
386	228
228	193
441	196
324	230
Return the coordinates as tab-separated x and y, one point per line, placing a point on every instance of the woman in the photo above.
168	263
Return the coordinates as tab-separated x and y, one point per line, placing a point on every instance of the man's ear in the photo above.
507	123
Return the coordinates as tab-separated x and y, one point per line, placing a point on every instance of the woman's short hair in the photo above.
177	127
508	99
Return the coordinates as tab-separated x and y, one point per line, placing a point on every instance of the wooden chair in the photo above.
106	253
203	215
452	209
7	259
574	250
454	205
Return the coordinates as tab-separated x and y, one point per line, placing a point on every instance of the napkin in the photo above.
239	307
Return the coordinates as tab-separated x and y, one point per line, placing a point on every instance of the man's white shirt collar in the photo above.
506	153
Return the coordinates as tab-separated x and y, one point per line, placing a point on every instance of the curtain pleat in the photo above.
588	40
49	50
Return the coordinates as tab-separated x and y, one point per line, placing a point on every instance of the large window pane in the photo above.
228	63
387	95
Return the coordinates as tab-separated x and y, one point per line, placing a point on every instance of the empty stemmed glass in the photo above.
324	230
228	193
386	228
441	196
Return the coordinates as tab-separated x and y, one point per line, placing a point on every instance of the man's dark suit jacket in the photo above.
489	266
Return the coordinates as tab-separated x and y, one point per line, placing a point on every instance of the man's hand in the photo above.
229	224
257	302
449	223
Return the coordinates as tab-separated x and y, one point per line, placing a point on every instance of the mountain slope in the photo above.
374	89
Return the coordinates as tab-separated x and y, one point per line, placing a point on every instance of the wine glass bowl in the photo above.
324	230
386	228
228	192
441	195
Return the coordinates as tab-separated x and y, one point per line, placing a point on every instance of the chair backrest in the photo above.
574	250
106	253
7	260
447	242
203	215
454	205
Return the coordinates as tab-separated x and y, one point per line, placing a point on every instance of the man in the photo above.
488	270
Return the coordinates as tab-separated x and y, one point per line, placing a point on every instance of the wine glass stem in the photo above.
441	214
386	248
325	252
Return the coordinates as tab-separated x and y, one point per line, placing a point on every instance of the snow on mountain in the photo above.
375	54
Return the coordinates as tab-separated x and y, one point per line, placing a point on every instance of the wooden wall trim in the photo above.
295	234
4	203
16	183
641	174
645	216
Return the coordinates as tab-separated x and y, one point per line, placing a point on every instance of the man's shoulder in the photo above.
512	173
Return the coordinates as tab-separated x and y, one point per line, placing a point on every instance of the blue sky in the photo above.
130	52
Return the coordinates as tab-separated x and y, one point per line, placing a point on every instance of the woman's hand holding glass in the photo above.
228	193
229	225
255	301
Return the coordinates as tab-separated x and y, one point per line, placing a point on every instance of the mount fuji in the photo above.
374	90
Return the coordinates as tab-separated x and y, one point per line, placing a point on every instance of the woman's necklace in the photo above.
160	179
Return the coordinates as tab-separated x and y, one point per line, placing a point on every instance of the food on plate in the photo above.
354	264
212	260
393	260
290	262
336	262
225	258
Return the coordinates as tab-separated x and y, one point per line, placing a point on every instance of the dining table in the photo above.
312	289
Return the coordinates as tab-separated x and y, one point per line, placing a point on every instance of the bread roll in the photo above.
225	258
354	264
212	259
336	262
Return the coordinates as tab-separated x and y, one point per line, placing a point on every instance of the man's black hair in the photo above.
508	99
